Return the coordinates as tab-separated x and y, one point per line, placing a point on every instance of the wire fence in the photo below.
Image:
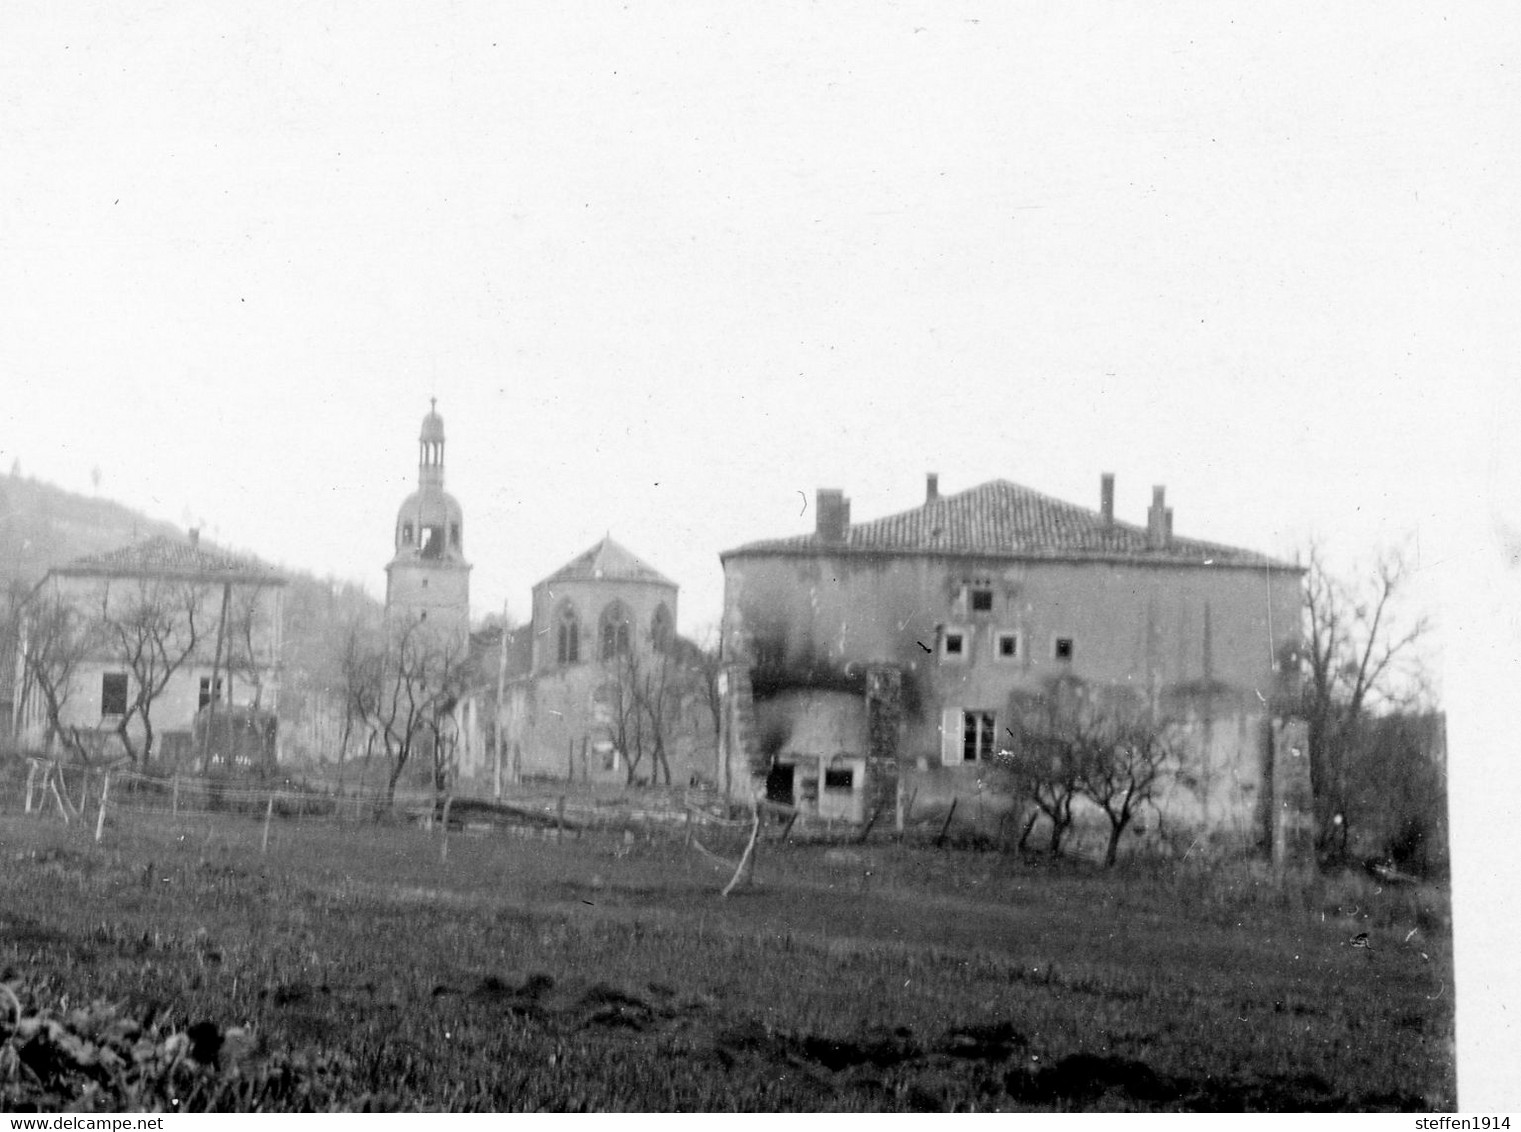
98	797
90	795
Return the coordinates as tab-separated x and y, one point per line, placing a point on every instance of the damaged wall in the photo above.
966	631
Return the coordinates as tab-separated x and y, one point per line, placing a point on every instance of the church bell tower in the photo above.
428	579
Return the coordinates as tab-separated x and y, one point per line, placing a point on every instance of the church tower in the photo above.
428	578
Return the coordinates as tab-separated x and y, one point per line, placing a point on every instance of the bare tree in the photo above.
1361	658
54	637
245	616
650	694
319	626
404	688
661	694
626	695
1132	750
707	665
153	629
1073	741
361	689
1046	766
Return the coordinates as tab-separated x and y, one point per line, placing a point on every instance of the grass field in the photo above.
350	968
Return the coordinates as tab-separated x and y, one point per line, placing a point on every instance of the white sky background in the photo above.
664	269
667	266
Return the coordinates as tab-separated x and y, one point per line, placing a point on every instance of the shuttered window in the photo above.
950	737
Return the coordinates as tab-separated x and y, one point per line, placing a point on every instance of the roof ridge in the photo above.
1004	519
165	554
610	559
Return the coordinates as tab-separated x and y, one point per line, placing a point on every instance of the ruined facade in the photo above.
597	687
202	627
976	599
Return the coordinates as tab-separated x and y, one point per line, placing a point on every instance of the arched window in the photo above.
614	630
660	628
406	534
568	636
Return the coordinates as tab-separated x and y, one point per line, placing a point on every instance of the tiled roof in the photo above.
162	556
1000	519
608	561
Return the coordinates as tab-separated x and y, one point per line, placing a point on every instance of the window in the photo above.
843	778
432	542
613	632
660	628
967	735
1063	650
568	637
406	534
977	736
206	691
971	595
1006	646
953	645
113	693
779	783
454	535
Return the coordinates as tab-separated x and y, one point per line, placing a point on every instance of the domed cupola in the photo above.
428	578
430	524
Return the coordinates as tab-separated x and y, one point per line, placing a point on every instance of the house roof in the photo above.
607	561
1000	519
165	557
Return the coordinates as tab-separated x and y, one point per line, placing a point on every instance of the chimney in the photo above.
832	514
1106	498
1157	520
195	536
931	488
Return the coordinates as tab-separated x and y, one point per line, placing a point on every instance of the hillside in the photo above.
42	526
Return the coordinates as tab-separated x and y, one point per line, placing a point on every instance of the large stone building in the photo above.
597	687
139	646
428	579
950	612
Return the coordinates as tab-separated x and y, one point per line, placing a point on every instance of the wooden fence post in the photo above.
100	821
906	813
175	805
31	775
443	852
941	839
57	797
560	819
865	833
748	858
787	829
269	812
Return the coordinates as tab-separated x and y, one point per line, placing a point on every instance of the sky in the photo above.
668	269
